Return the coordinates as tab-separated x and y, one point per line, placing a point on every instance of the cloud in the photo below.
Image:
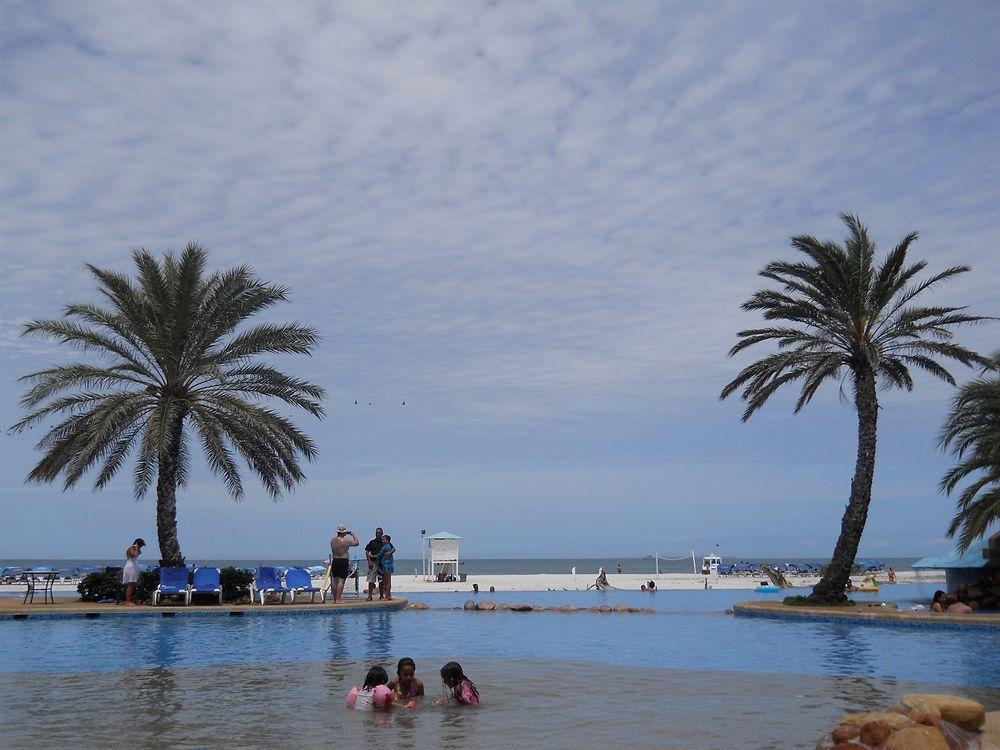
517	218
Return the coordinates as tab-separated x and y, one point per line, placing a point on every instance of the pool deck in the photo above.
11	608
868	614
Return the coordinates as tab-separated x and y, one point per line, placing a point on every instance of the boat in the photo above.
766	587
710	565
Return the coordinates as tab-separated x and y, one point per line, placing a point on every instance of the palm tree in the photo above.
175	365
844	316
972	432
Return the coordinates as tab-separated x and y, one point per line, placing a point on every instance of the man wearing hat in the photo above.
130	573
340	547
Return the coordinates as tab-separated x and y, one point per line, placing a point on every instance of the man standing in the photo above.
340	547
371	553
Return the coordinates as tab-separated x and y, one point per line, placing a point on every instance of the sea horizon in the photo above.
478	566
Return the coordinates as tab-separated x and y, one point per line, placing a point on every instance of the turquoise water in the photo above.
689	631
688	676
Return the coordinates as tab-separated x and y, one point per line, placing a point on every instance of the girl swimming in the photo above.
405	685
463	690
373	694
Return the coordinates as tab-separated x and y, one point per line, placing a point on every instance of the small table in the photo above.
40	578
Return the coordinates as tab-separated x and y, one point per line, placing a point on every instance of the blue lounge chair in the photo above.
298	581
205	581
265	581
173	582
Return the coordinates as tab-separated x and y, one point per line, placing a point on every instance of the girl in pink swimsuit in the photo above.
374	694
463	690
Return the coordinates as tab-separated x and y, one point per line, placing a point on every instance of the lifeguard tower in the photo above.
442	556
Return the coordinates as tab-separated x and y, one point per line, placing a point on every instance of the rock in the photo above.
917	738
604	608
593	609
486	606
894	720
417	605
925	713
961	711
469	605
520	607
845	732
848	746
503	607
567	608
621	608
536	608
875	732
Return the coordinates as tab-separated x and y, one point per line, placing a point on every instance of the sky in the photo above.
532	222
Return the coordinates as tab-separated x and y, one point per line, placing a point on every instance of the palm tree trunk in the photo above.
166	498
830	589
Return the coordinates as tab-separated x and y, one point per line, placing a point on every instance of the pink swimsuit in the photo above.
466	695
379	696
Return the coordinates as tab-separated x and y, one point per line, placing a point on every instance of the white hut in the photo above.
442	554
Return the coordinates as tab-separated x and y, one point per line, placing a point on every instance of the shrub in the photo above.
96	587
106	585
235	583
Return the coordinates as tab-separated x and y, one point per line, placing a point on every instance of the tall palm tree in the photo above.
972	432
843	316
175	365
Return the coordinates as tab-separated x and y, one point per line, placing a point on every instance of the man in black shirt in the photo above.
371	553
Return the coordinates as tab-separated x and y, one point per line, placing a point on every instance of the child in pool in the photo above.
463	690
405	685
375	693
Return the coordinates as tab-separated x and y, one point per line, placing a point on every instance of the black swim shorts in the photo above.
339	568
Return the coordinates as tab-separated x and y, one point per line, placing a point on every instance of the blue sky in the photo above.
534	223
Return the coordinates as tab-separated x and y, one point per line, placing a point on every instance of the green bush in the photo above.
102	586
235	583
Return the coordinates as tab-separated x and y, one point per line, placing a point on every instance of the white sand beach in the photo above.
631	581
566	582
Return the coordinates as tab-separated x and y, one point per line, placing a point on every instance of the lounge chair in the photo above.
298	581
266	581
173	582
205	581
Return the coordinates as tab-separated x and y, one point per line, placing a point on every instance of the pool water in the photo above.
554	679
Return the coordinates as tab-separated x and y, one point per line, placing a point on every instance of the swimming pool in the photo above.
688	648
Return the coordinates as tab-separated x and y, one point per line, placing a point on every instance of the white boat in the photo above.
710	565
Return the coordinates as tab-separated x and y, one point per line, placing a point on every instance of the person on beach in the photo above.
939	602
602	581
649	586
463	691
619	568
892	575
371	554
374	694
130	573
340	548
387	565
406	686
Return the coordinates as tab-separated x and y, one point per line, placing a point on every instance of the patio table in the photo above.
44	579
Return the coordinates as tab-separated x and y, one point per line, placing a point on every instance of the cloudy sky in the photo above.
533	223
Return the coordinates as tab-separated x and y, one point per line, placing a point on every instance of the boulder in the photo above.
417	605
593	609
875	732
503	607
486	606
917	738
894	720
520	607
552	609
925	713
469	605
848	746
845	732
604	608
621	608
966	713
567	608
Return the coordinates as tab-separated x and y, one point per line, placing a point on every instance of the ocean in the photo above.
510	566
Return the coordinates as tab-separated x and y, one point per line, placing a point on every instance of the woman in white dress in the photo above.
130	573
